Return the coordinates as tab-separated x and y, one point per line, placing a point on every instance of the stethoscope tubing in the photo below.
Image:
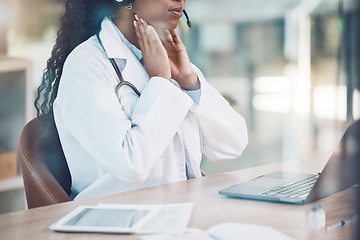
125	83
118	72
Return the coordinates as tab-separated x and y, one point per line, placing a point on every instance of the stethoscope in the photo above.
118	73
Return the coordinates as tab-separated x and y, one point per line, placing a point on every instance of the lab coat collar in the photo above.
113	45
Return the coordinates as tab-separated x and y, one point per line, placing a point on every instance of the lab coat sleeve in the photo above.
91	112
223	130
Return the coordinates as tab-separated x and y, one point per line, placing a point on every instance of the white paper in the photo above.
185	234
236	231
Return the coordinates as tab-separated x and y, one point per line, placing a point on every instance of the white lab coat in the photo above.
139	142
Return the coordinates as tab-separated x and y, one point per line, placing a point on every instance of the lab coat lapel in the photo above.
113	45
130	67
135	73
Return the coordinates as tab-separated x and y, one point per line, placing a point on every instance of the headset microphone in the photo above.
188	22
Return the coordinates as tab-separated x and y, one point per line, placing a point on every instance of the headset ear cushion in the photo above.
123	2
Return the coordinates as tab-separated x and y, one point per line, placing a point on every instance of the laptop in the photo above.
340	172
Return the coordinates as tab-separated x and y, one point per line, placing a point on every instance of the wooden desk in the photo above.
210	208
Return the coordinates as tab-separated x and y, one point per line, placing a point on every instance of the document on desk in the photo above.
222	231
234	231
120	218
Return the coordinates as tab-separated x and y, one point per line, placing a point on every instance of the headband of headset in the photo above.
123	2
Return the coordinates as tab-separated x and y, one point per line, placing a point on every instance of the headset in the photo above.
127	2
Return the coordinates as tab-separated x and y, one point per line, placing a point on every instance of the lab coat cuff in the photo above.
194	94
174	87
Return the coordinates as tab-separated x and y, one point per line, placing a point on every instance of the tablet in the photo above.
105	219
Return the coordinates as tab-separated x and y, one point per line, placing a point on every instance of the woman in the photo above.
119	140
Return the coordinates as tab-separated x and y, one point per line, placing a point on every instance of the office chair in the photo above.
46	175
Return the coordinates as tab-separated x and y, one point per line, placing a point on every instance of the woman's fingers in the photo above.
138	35
168	39
147	36
141	34
173	42
175	36
154	54
153	38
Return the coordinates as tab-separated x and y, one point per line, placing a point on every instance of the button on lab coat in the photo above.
118	143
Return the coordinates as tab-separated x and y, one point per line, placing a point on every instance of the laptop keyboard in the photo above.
299	189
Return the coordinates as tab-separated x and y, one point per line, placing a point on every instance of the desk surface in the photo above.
210	208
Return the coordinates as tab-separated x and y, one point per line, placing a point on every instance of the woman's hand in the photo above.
181	69
153	52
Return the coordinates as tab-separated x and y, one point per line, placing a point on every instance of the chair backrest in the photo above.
45	172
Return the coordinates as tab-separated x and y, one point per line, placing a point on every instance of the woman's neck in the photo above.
124	21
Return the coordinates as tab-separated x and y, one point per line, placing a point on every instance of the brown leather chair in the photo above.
45	172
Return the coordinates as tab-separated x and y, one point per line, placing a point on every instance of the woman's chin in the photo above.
173	26
166	26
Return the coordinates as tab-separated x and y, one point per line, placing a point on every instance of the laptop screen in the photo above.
342	169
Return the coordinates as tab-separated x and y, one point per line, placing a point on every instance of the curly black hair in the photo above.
81	20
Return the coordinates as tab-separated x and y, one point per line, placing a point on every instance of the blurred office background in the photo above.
290	67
